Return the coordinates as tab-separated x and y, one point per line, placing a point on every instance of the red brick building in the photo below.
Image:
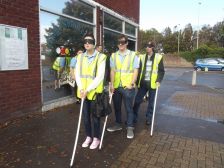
50	24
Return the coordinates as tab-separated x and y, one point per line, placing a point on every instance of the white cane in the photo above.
154	110
105	123
77	133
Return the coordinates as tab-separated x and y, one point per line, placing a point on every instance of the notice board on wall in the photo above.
13	48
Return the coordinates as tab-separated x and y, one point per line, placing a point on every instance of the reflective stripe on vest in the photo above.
154	73
88	73
123	71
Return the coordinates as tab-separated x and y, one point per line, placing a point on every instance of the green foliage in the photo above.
189	56
210	40
203	52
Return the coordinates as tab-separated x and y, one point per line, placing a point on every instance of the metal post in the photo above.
178	41
194	76
199	3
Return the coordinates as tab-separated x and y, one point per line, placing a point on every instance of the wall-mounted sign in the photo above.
13	48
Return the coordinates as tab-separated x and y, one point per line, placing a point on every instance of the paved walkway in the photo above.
167	150
201	105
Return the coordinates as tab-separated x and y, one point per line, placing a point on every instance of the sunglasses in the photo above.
121	42
89	41
149	46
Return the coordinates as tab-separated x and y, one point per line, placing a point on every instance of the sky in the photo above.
160	14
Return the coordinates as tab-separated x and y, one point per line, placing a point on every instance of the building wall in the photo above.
20	90
128	8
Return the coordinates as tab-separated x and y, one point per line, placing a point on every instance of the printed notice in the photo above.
13	48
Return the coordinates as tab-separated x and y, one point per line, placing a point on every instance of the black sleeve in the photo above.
161	71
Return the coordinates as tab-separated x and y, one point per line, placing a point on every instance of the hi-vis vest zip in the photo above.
154	73
123	71
88	72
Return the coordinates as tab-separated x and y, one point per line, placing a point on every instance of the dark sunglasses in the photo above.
89	41
149	46
121	42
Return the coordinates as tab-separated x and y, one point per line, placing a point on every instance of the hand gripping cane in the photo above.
154	110
77	133
105	123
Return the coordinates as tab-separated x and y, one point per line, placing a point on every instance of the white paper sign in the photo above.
13	48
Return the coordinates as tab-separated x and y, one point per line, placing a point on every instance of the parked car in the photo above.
211	64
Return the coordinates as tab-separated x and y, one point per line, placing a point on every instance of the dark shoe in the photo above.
116	127
130	133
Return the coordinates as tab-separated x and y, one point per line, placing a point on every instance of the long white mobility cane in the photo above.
154	110
105	123
77	133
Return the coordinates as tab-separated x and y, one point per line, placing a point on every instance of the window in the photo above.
129	29
112	22
58	30
72	8
110	42
131	45
113	28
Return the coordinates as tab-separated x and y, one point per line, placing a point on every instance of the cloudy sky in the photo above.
160	14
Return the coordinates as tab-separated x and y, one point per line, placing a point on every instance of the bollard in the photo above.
194	76
206	69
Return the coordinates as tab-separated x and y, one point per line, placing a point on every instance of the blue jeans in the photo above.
139	99
128	96
87	120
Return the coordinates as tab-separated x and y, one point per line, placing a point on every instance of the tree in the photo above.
169	41
207	36
148	35
67	32
187	34
218	30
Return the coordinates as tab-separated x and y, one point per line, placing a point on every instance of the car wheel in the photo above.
198	69
222	69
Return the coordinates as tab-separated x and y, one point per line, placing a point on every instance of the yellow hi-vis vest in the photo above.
154	73
56	64
123	70
88	72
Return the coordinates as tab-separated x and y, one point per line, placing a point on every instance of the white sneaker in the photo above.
95	143
130	133
87	142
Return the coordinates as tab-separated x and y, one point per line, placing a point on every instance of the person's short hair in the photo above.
151	44
89	35
123	36
79	50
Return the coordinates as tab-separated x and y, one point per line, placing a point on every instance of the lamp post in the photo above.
178	41
178	38
199	3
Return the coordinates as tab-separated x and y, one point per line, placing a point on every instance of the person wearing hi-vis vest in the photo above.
124	66
151	75
89	74
58	66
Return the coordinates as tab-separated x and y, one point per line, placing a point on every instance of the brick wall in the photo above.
20	91
128	8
